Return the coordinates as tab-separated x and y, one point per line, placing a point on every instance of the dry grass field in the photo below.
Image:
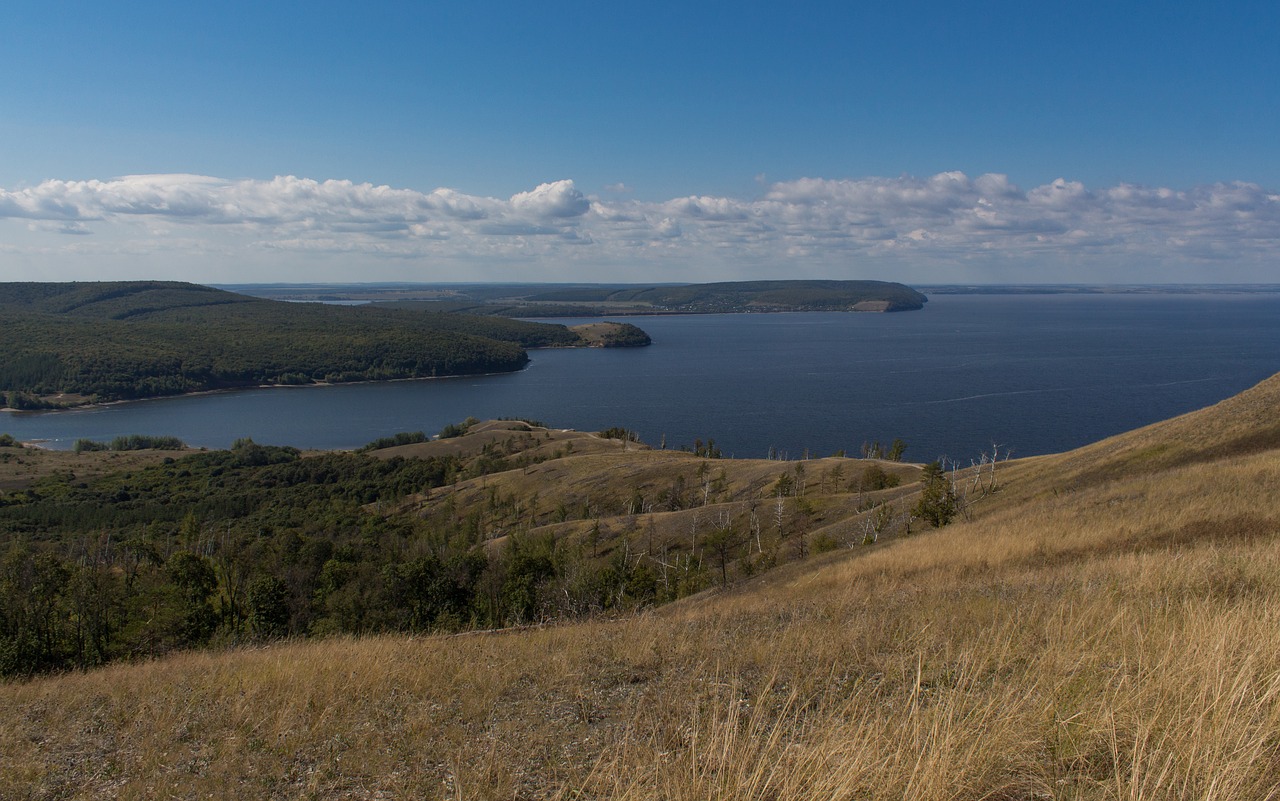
1102	627
20	467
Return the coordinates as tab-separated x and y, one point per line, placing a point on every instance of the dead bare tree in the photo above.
778	510
874	524
753	523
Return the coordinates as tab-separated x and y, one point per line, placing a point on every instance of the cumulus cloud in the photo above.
668	228
559	199
943	220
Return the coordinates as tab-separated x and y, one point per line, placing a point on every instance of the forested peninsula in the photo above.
67	344
748	296
588	300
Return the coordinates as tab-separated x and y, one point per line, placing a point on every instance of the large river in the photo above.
1036	374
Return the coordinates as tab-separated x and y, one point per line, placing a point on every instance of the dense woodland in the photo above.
260	542
111	341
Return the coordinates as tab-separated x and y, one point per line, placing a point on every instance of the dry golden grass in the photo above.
1077	639
534	441
596	335
22	467
622	489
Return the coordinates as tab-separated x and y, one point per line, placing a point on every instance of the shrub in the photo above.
823	542
402	438
133	442
457	429
617	432
937	502
876	478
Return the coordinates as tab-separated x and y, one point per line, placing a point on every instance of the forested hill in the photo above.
67	343
590	300
754	296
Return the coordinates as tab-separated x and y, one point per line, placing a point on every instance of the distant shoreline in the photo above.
1100	289
74	407
247	387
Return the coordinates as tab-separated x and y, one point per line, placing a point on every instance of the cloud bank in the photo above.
948	226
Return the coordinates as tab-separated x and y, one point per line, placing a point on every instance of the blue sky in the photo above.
915	141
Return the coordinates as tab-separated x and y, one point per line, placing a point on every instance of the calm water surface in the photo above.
1035	374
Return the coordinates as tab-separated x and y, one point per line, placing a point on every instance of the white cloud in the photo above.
559	199
668	228
946	225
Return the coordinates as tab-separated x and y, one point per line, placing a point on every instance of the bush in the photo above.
25	402
876	478
139	442
527	421
133	442
617	432
403	438
457	429
824	542
937	502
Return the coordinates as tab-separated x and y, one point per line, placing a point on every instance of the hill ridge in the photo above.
1067	638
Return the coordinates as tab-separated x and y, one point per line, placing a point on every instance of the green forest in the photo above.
258	542
113	341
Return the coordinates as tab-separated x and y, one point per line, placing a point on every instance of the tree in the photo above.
268	606
195	580
723	542
937	502
785	486
876	523
32	588
875	477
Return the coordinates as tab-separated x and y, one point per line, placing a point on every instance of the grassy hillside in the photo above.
1101	626
493	524
71	342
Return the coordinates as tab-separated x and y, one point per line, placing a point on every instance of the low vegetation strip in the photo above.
133	442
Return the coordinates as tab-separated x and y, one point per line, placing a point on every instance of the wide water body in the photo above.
1035	374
